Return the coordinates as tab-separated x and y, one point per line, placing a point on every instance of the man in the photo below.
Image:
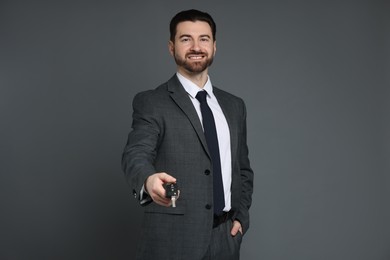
197	141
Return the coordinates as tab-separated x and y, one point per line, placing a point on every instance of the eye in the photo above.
204	39
185	39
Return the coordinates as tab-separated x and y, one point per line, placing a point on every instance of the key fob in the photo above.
171	189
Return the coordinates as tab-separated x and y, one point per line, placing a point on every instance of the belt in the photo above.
218	220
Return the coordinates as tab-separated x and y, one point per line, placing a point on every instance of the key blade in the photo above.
173	199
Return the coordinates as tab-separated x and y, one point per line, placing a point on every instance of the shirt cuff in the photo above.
144	196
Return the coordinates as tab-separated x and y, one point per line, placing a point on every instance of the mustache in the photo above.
196	53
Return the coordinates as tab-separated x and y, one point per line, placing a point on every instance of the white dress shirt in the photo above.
222	127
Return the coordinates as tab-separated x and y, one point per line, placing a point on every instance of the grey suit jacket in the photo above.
167	136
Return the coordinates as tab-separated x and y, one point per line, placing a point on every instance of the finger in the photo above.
236	228
163	201
158	196
165	177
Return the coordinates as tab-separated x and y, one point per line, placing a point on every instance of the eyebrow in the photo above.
200	36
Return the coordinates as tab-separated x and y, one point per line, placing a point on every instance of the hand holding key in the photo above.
154	186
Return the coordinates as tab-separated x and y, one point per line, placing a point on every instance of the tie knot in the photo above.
201	96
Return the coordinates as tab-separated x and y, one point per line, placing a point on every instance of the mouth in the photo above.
196	56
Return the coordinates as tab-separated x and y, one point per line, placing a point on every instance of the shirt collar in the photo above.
192	89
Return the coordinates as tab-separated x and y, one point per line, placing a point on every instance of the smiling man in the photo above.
192	134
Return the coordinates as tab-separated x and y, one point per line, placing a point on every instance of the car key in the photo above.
172	191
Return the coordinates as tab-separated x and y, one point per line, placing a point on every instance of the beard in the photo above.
194	66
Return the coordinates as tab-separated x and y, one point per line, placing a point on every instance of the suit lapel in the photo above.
231	116
180	97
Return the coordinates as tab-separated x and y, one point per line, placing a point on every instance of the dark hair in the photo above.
193	16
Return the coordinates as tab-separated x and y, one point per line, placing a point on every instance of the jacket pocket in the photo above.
180	208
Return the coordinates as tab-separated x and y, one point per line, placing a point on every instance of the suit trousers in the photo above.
224	246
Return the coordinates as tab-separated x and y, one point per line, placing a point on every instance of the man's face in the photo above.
194	47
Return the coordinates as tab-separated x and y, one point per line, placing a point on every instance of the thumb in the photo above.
165	177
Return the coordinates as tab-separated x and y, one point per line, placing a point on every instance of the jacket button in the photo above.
207	172
208	206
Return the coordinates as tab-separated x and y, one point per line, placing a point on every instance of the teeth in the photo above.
195	57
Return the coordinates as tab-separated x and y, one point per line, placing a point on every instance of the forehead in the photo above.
193	28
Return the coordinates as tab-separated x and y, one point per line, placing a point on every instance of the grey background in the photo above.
315	78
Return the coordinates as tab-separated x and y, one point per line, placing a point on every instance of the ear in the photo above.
171	47
215	47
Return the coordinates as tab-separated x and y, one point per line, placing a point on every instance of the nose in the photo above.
195	46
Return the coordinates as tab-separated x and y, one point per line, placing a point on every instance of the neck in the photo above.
199	79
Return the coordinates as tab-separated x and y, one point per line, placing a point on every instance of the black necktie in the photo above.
210	133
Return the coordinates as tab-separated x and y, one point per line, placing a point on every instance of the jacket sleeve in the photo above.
246	174
140	150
